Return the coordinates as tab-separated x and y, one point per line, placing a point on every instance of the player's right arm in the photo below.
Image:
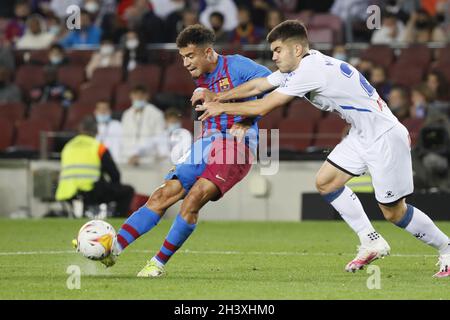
248	89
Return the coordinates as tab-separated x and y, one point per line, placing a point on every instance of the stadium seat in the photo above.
178	80
79	57
90	94
12	111
28	133
72	76
109	75
76	113
321	35
328	21
49	111
29	76
416	55
295	134
122	98
188	123
406	75
379	54
148	75
303	109
39	56
443	56
6	133
413	125
329	132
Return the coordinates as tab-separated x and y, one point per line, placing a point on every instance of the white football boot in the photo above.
367	253
444	266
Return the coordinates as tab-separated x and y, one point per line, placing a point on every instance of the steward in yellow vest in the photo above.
85	165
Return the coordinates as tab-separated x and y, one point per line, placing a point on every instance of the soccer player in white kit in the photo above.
377	141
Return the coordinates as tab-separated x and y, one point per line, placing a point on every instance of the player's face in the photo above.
286	55
197	60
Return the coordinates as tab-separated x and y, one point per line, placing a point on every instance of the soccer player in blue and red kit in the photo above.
216	162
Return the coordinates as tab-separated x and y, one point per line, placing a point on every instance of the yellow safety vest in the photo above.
80	167
361	184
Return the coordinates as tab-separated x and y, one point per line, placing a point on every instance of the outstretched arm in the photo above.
259	107
248	89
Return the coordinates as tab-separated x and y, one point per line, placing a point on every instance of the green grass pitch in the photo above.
221	260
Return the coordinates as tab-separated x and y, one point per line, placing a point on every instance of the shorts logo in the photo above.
389	194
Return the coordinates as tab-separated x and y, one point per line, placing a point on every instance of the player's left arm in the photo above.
258	107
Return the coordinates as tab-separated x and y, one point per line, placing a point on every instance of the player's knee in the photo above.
322	184
395	211
158	201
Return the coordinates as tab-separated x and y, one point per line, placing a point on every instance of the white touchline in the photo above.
187	251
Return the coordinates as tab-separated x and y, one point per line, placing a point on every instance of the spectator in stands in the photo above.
109	130
179	20
422	28
438	84
57	56
216	20
354	15
140	17
398	102
52	90
88	35
35	36
106	56
164	8
134	53
274	17
379	80
339	52
9	92
54	27
7	58
246	32
59	7
98	9
365	67
226	7
16	26
173	143
421	98
89	171
259	10
141	122
392	30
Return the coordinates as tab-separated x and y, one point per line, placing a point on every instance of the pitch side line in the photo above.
256	253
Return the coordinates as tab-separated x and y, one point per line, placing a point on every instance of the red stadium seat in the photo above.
295	134
91	94
39	56
13	111
49	111
321	35
109	75
178	80
406	75
303	109
188	123
443	56
29	76
416	55
76	113
328	21
379	54
329	132
122	99
79	57
413	125
72	76
29	133
148	75
6	133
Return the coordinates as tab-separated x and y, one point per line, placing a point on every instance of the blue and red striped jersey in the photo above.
230	72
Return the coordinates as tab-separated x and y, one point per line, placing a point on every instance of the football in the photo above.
95	239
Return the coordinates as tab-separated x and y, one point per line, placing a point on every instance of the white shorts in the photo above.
388	160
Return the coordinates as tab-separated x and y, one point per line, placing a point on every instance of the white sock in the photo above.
423	228
350	208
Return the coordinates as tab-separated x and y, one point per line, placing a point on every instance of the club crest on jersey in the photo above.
224	84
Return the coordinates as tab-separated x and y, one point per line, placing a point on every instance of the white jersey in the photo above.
334	85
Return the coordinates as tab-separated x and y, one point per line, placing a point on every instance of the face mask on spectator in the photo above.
139	104
106	49
132	44
103	118
54	30
173	126
91	7
340	56
55	59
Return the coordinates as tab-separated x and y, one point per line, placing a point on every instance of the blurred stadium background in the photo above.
407	59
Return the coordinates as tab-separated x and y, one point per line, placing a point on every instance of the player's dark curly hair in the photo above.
197	35
289	29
